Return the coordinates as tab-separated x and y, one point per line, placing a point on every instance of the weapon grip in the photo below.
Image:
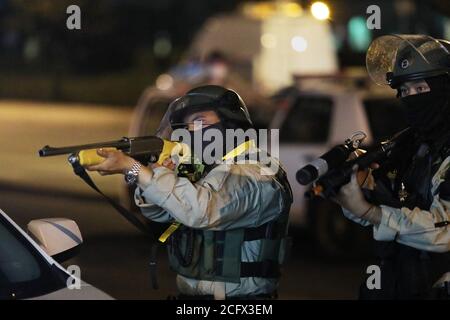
90	157
171	148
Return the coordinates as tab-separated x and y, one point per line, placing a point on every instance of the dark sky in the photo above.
114	29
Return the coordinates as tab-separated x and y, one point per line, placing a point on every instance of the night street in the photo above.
275	149
114	255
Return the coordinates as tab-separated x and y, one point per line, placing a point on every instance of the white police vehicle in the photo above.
29	268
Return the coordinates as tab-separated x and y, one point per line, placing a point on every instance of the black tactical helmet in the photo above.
227	103
395	59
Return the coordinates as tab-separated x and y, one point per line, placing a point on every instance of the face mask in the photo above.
204	143
426	111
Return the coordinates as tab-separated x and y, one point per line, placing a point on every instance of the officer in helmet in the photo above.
408	198
231	219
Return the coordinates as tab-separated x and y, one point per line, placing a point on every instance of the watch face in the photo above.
130	178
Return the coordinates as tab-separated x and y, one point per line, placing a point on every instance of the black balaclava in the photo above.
222	126
204	143
429	112
429	115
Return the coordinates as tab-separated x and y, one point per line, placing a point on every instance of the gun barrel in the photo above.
48	151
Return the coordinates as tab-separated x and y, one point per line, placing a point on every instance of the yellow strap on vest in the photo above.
171	229
243	147
239	149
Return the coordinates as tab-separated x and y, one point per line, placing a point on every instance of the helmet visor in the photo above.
179	108
403	55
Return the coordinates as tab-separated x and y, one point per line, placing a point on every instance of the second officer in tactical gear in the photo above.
230	218
408	199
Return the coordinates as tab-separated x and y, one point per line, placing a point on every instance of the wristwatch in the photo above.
131	176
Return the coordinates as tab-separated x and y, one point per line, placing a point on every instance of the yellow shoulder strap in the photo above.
239	149
243	147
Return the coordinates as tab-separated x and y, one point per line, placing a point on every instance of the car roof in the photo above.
335	85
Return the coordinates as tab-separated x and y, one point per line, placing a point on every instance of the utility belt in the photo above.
435	263
407	273
216	255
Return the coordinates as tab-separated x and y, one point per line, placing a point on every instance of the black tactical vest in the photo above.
408	273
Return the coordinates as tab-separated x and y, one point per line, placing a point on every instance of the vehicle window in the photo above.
386	117
308	121
24	273
260	118
16	263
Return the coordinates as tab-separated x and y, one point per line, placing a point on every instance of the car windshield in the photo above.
24	273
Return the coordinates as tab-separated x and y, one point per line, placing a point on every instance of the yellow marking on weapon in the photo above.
90	157
171	149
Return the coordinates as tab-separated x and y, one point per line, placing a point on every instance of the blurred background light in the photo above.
266	9
162	46
268	40
164	82
299	44
261	10
359	37
320	10
291	9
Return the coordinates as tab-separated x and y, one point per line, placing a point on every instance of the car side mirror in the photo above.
60	238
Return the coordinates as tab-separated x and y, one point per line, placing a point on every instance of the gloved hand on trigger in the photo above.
351	198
